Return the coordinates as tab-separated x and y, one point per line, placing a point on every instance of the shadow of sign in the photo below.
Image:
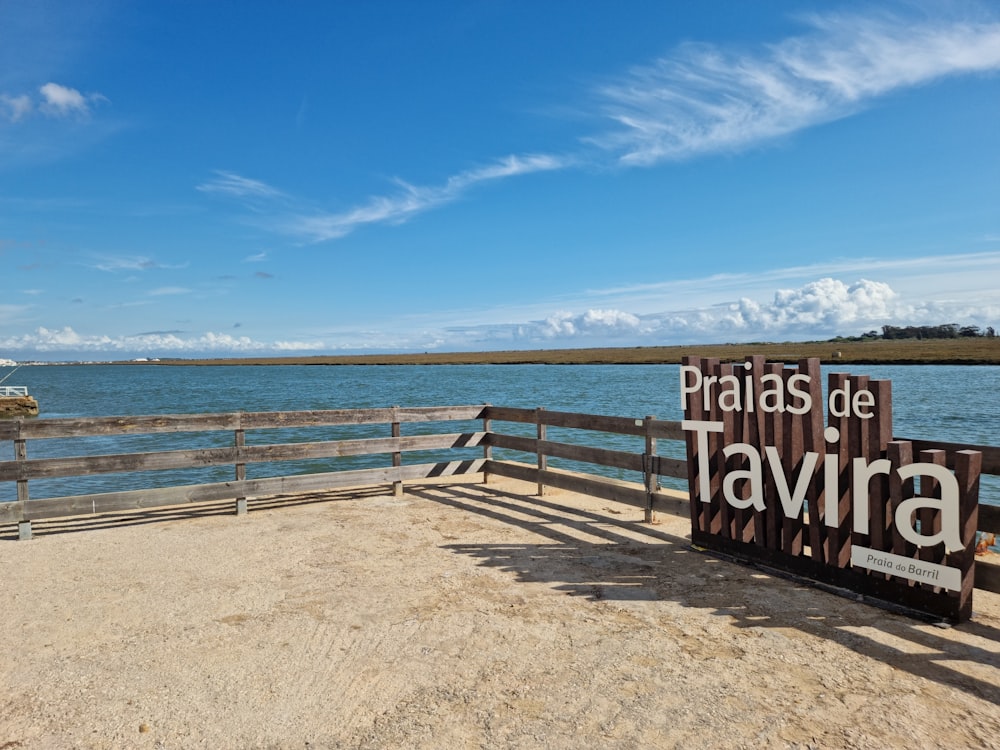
615	562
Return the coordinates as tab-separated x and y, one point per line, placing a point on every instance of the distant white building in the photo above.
7	362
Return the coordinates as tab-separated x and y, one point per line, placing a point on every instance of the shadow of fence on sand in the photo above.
601	557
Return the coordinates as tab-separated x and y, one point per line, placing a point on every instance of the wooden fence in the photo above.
456	448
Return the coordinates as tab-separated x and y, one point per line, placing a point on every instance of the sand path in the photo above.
458	616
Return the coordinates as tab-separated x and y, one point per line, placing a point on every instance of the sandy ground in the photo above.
454	617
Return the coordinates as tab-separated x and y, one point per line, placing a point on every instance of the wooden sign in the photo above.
828	496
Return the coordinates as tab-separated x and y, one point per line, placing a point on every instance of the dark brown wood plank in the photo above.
606	489
601	423
989	518
513	442
587	454
513	470
671	467
666	430
991	454
509	414
987	576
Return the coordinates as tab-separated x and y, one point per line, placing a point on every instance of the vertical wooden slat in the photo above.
753	434
812	441
930	518
839	528
239	440
792	456
651	478
694	409
859	447
542	458
487	448
21	454
397	457
879	435
773	435
726	513
900	453
968	466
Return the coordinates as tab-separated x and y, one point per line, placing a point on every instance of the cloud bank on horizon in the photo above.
820	309
706	103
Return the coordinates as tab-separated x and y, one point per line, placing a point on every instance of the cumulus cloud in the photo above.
815	310
61	100
705	98
819	309
823	305
599	322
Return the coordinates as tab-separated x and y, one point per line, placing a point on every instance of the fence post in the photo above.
241	468
487	448
21	454
542	458
649	465
397	457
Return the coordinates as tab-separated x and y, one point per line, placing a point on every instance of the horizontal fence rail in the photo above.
22	470
525	457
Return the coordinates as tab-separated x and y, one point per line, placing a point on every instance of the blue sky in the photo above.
182	179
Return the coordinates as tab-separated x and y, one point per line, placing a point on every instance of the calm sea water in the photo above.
948	403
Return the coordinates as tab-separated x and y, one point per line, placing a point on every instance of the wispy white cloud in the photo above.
52	100
11	313
699	99
168	291
705	98
406	202
232	184
116	263
410	200
125	263
16	108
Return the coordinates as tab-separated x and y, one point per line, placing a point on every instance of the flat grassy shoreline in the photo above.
961	351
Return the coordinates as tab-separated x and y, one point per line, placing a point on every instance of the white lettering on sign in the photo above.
863	473
907	567
773	397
